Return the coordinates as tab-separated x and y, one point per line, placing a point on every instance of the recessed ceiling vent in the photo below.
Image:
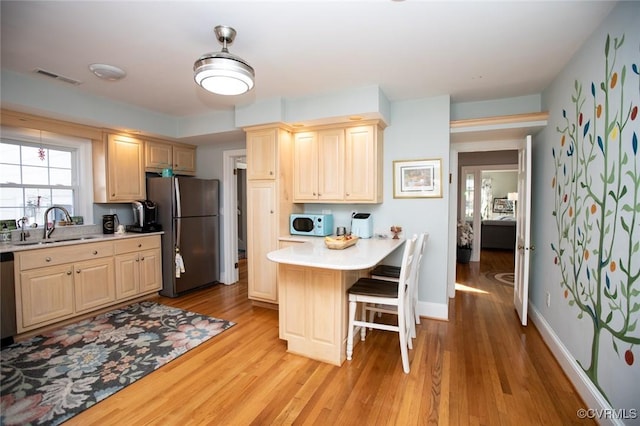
56	76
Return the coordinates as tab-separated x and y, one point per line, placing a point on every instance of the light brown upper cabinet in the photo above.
261	153
338	165
318	166
162	155
118	169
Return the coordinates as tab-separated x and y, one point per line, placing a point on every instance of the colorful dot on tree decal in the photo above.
566	293
628	357
612	266
634	112
570	211
553	182
593	208
599	110
614	79
562	140
614	133
586	255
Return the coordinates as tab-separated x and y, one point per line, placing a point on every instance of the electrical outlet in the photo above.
548	299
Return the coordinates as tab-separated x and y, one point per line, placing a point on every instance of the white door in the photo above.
523	231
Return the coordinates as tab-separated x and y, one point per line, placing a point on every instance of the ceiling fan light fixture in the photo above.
221	72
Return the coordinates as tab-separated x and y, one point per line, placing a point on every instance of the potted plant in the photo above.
465	241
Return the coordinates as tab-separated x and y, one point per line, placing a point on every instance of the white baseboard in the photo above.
585	387
439	311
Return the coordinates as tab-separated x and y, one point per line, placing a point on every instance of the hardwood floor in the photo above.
479	368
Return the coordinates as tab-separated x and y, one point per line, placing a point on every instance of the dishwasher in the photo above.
8	327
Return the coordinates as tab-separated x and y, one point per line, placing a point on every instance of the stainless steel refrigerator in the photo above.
188	212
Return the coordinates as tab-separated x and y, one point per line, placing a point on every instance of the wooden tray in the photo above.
340	245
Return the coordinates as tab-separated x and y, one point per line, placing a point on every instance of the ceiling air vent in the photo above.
56	76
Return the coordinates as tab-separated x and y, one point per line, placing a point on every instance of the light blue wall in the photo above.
572	326
496	107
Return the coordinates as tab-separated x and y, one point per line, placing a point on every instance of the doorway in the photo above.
486	201
233	213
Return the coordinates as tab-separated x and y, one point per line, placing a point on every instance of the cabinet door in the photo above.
184	160
46	295
127	275
360	182
262	227
150	271
261	154
331	165
125	168
305	167
94	284
158	155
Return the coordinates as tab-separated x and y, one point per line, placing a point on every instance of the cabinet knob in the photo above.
78	271
139	245
68	272
47	259
271	211
113	195
142	258
95	252
271	172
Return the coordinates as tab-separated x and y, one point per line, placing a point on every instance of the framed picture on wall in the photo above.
417	178
502	205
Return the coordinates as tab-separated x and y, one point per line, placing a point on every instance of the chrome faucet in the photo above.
22	222
48	231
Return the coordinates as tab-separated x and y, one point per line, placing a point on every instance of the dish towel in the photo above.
179	264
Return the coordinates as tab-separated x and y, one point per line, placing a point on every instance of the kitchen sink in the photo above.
57	240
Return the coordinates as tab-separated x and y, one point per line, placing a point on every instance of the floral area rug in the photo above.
51	378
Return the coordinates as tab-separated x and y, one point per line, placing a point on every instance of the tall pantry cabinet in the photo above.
269	204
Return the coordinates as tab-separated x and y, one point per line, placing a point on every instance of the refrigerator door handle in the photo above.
178	200
178	211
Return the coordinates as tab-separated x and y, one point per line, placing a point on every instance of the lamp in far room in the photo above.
222	72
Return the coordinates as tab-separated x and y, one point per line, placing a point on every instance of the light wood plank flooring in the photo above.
479	368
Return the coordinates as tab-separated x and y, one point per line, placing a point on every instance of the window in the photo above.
39	170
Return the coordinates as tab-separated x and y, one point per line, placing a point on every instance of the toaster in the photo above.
362	225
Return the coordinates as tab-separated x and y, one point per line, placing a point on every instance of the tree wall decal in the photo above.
596	189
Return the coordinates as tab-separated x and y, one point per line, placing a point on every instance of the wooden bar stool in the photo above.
379	292
392	273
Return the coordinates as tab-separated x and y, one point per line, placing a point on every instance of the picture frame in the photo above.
502	205
417	178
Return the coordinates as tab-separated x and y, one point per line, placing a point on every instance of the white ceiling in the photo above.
472	50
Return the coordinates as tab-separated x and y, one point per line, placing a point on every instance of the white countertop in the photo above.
366	253
34	244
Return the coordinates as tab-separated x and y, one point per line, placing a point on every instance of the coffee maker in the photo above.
145	216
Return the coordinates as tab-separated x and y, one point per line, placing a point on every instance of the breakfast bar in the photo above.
312	291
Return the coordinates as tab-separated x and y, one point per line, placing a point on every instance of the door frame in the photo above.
230	274
455	149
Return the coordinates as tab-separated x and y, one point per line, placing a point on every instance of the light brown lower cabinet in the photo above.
50	288
138	267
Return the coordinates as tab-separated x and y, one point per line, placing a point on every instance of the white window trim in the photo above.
84	205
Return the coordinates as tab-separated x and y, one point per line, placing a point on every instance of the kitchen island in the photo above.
312	292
